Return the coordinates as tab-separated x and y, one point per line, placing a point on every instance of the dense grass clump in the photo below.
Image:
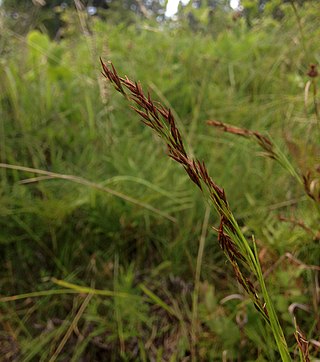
108	251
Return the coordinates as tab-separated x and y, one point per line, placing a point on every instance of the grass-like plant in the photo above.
241	253
304	179
272	151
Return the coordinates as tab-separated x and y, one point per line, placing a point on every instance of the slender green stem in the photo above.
194	326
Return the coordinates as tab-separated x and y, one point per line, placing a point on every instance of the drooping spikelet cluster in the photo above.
264	142
309	181
242	255
161	120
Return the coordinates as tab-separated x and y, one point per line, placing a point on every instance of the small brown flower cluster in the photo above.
312	72
311	184
161	120
264	142
234	256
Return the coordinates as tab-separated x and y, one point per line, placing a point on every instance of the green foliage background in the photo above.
59	115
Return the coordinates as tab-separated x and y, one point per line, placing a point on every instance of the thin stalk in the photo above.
299	22
85	182
274	321
194	320
71	328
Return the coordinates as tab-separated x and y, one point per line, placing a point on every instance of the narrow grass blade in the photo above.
91	184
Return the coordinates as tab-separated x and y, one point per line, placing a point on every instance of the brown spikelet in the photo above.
229	128
303	344
264	142
226	243
142	114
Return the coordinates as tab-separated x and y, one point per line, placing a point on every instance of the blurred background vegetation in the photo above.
104	208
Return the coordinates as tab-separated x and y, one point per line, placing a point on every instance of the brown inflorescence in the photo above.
311	185
312	72
161	120
264	142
